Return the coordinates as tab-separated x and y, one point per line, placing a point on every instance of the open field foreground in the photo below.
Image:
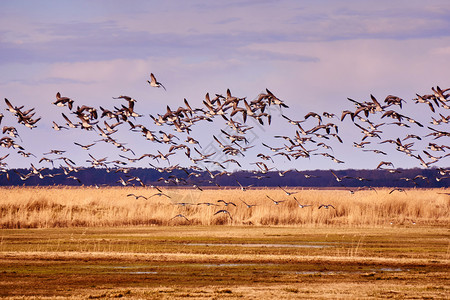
47	207
207	262
92	243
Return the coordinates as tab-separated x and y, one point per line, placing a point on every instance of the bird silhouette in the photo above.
327	206
223	211
153	82
286	192
159	195
137	196
274	201
248	205
301	205
180	216
226	203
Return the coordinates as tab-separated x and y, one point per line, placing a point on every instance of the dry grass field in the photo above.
87	243
47	207
231	262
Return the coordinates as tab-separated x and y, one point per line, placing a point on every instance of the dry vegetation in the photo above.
233	262
358	250
46	207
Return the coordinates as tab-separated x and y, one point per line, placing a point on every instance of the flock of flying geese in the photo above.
230	145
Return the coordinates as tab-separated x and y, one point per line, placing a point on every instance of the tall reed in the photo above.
43	207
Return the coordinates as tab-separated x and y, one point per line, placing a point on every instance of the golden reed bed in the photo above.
44	207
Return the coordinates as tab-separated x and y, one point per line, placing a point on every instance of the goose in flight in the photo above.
436	147
287	193
360	145
275	202
62	101
197	187
97	162
329	115
69	123
153	82
282	173
223	211
191	140
301	205
22	176
438	179
25	154
215	162
273	99
11	131
13	109
207	204
179	216
232	161
243	188
85	147
159	194
137	196
74	178
327	206
226	203
293	122
264	157
58	127
54	151
248	205
397	189
339	179
315	115
184	204
127	98
2	158
262	166
307	176
387	163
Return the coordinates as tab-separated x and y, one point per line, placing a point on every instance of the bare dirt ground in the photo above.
204	262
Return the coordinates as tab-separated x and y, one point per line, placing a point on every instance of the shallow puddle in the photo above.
167	269
391	270
348	272
228	265
259	245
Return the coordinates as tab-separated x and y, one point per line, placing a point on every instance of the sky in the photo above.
311	54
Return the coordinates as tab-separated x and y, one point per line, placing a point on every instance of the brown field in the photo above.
90	207
87	243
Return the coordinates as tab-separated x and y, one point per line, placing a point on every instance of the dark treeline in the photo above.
422	178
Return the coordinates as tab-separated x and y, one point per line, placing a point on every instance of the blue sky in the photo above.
311	54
